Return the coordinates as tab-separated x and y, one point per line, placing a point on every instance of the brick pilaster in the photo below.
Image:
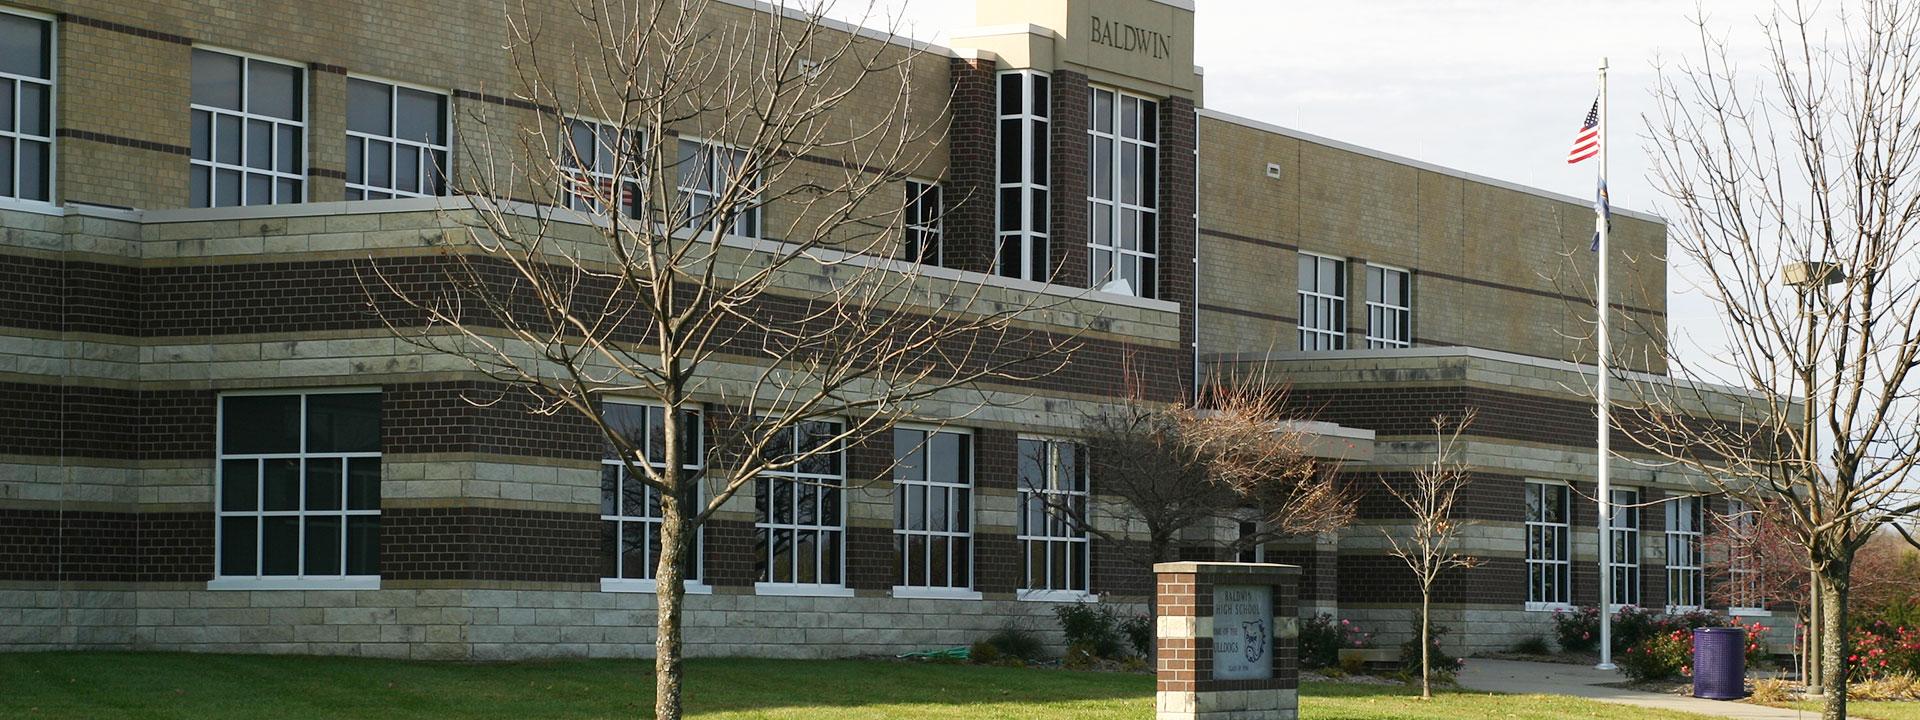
968	226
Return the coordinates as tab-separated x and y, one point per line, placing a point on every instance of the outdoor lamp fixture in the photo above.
1805	276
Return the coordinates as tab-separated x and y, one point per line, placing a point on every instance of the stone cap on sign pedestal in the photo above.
1228	641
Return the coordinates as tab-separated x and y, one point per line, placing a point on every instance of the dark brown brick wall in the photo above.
729	553
470	543
1179	176
90	546
1386	579
1068	187
1119	569
968	225
1319	571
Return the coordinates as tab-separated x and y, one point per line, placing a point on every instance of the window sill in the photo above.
357	582
927	593
1748	612
778	589
1058	596
615	585
32	206
1679	609
1549	607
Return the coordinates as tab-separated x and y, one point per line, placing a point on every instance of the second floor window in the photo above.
249	131
26	108
713	185
1389	308
1025	106
922	222
602	167
396	141
1122	192
1323	303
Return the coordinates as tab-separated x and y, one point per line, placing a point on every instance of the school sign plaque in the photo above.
1228	641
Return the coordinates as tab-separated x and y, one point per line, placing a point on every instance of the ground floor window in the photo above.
299	486
1623	531
1053	503
1743	560
800	533
1548	555
1684	581
629	508
933	510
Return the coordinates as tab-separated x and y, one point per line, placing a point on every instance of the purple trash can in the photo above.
1720	663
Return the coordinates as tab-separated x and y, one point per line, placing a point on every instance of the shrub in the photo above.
1016	641
1140	633
983	652
1635	625
1899	686
1079	657
1535	645
1322	637
1881	650
1439	661
1092	626
1771	690
1659	657
1577	630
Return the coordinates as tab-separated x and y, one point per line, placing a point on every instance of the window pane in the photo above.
363	545
23	45
273	89
1103	111
406	168
260	144
287	156
280	545
380	163
202	135
422	116
367	107
962	562
34	165
937	509
226	139
260	424
1011	93
1037	151
216	79
343	422
363	483
323	545
199	181
239	485
1012	145
36	110
324	483
1040	99
259	190
239	537
280	485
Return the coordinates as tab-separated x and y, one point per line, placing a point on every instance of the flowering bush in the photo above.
1443	665
1322	636
1662	656
1882	650
1577	630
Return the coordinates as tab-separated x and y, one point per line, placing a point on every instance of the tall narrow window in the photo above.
1623	530
396	141
1684	583
922	222
716	189
800	534
1123	195
1053	503
933	511
1548	556
1743	557
26	108
602	167
1389	307
629	508
299	487
1323	303
249	131
1025	105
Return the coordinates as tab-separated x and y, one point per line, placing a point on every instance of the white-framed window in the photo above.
1123	192
298	478
1685	581
630	516
1744	595
249	131
1623	531
398	140
800	531
922	224
1549	570
1256	553
1323	302
1025	105
26	107
1389	307
1053	502
933	513
706	172
601	161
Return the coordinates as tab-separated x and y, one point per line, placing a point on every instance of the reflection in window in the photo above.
299	485
249	131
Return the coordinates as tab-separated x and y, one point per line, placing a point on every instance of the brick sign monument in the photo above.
1228	641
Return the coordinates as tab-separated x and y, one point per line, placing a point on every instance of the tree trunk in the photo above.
1426	643
670	592
1835	582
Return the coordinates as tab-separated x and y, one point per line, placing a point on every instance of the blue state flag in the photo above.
1604	210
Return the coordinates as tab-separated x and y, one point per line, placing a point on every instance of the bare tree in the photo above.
1183	475
750	272
1428	546
1782	183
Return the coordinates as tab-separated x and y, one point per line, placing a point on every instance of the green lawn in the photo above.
173	685
1869	710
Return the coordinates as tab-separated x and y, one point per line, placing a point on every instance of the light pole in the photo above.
1804	277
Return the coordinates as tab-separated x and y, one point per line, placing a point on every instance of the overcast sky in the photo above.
1492	87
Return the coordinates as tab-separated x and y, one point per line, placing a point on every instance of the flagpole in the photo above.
1604	451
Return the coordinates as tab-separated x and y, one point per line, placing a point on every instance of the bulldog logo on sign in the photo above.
1256	635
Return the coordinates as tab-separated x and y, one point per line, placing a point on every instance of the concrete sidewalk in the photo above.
1511	676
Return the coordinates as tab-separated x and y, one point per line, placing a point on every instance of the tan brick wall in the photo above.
1493	267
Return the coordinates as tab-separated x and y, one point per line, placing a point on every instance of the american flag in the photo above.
592	189
1587	143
